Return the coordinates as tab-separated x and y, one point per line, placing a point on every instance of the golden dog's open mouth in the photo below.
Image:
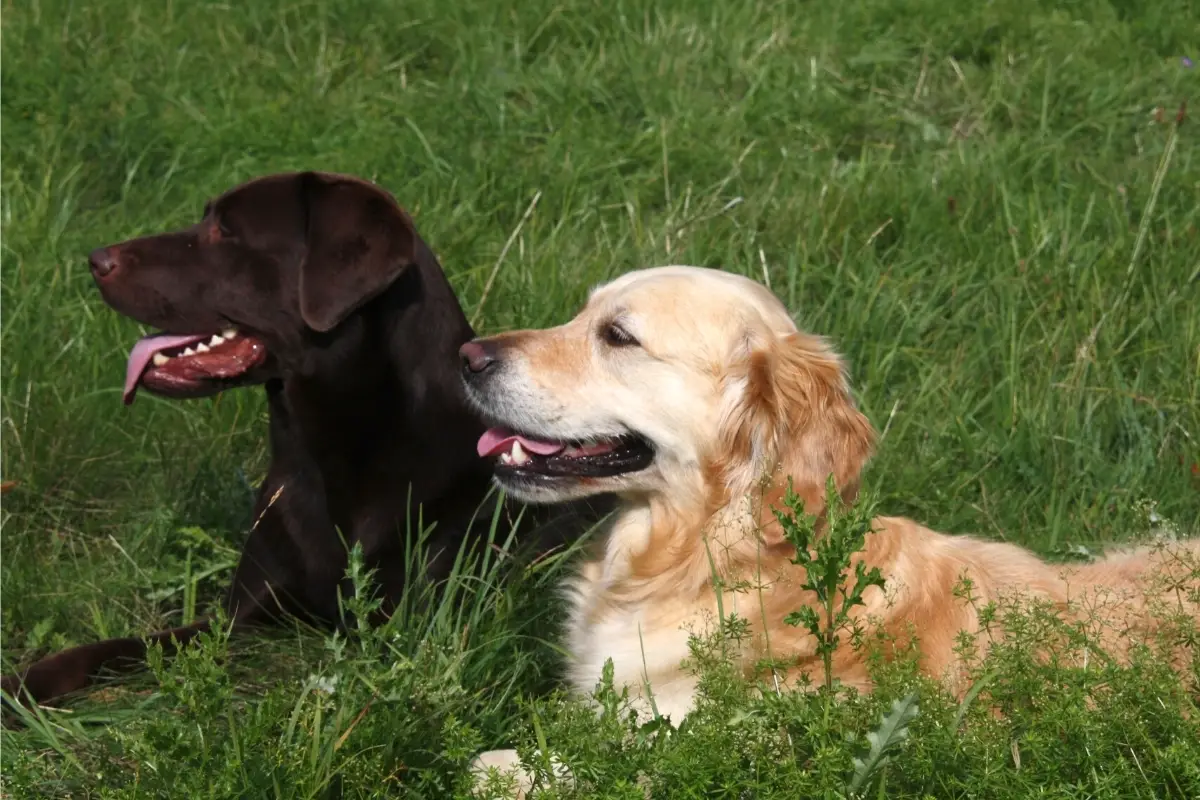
521	454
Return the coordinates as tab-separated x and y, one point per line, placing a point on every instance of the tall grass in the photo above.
989	207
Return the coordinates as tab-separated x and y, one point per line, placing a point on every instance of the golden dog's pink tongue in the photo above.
497	440
143	351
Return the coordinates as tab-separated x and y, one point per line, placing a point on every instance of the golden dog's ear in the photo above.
795	419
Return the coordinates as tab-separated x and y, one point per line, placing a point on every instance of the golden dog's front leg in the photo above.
507	763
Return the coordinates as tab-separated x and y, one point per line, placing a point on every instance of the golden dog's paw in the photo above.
507	764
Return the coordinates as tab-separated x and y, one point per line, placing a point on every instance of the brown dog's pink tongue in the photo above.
498	440
143	351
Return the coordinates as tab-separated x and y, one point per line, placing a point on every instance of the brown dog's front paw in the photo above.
44	680
14	699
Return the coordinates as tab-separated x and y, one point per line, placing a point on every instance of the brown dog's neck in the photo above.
385	394
421	306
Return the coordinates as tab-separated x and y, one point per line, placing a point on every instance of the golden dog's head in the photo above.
675	381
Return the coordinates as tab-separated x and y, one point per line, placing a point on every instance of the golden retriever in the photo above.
691	394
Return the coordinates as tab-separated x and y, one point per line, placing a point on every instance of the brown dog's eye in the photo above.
616	336
223	227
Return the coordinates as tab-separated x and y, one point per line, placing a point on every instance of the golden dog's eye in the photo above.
616	336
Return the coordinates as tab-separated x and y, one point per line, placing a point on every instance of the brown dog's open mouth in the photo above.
191	365
521	454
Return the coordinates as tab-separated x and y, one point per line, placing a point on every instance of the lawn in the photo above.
989	207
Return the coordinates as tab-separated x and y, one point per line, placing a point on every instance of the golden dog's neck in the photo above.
656	546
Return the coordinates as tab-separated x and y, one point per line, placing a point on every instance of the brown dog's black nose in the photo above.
477	356
103	260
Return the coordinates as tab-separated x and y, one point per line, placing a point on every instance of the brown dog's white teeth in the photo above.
216	340
229	333
506	458
202	348
188	352
519	456
159	359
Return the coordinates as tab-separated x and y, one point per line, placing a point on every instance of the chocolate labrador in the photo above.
318	287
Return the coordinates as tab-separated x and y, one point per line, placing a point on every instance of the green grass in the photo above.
963	196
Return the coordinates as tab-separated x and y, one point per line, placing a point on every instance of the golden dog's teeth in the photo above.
506	458
519	456
159	359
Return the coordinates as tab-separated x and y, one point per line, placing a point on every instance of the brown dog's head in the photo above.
680	382
274	264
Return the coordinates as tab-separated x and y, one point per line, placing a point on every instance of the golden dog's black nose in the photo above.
477	356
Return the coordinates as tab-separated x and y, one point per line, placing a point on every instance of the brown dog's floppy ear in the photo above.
358	241
797	420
